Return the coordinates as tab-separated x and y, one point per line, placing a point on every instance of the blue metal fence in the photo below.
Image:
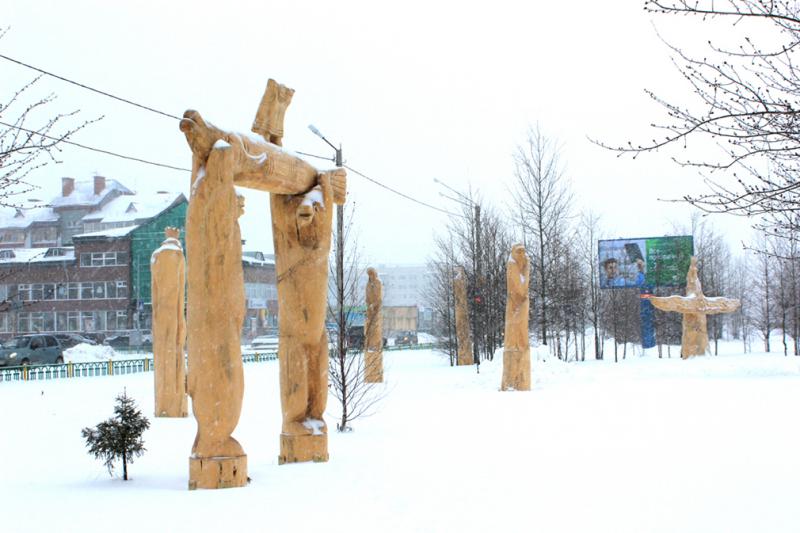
125	366
99	368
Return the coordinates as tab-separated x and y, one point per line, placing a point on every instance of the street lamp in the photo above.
339	249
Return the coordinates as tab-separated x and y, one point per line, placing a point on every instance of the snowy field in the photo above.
705	445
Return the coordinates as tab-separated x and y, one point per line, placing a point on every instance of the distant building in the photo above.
404	287
82	264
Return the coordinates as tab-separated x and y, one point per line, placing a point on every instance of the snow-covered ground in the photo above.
87	353
704	445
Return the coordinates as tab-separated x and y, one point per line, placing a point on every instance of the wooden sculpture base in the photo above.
516	370
217	472
373	367
303	448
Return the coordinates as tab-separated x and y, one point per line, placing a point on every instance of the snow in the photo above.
316	426
171	243
111	232
647	445
314	196
86	353
83	194
129	208
201	173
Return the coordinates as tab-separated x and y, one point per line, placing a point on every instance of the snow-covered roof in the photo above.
257	258
129	208
37	255
28	213
112	232
83	194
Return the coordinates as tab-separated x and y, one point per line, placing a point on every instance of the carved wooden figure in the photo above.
168	282
462	319
517	350
694	307
301	231
373	330
216	300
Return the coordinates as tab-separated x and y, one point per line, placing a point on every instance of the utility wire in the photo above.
163	165
107	152
130	158
87	87
407	197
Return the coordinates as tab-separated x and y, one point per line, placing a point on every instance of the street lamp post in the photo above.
339	249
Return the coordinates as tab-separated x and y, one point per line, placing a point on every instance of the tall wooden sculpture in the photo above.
373	330
694	307
517	350
216	300
168	282
462	319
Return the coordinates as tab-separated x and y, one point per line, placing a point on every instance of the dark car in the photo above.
31	350
405	338
68	340
118	341
355	337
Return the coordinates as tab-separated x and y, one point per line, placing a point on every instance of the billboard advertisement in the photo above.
644	262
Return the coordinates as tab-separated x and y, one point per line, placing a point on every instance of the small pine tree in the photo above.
119	436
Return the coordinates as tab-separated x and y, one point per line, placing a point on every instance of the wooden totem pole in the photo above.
694	307
517	349
373	330
216	302
462	319
168	282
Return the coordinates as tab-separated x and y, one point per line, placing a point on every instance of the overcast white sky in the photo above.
413	91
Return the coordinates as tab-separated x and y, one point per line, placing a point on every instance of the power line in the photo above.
407	197
87	87
107	152
171	167
99	150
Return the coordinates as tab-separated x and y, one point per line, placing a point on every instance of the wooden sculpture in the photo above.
168	282
373	334
517	350
462	319
301	231
220	160
694	307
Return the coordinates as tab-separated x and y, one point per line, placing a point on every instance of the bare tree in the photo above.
589	235
745	101
31	136
544	200
441	299
346	369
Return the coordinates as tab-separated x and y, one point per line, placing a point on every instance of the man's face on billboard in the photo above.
611	269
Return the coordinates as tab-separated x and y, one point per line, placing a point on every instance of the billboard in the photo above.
644	262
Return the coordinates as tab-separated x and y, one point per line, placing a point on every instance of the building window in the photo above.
39	235
99	259
87	290
49	291
24	293
12	236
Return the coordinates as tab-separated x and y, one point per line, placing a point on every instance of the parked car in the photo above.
268	342
30	350
118	341
405	338
68	340
355	338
